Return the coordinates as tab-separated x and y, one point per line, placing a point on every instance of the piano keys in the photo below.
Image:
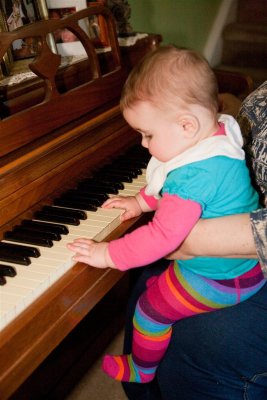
49	259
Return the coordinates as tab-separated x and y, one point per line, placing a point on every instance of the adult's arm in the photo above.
229	236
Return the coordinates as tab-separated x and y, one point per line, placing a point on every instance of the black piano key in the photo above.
28	251
45	226
107	184
139	163
129	165
25	237
37	234
46	216
98	198
75	203
119	170
7	270
14	258
76	196
137	152
2	280
65	212
114	176
96	189
137	156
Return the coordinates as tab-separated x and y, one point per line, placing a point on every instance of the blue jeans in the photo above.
216	356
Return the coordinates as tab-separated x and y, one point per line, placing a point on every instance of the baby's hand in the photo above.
129	204
90	252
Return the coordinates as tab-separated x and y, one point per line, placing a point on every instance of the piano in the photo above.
64	146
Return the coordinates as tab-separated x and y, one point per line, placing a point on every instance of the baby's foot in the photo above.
122	368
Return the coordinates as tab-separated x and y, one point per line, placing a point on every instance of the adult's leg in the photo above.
221	355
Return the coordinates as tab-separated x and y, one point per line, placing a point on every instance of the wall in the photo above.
182	22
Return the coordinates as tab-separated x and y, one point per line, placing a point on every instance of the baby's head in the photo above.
169	87
169	76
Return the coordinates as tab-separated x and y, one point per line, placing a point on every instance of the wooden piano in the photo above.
57	129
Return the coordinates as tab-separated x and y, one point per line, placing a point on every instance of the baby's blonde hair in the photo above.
169	75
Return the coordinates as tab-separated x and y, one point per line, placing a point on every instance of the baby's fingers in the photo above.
128	214
113	202
80	243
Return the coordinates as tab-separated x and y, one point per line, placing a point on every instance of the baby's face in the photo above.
161	133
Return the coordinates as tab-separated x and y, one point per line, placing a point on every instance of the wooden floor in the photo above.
95	385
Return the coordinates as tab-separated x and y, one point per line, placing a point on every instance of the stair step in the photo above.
258	75
245	45
244	55
246	33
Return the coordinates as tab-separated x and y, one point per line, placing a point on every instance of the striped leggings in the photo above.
177	294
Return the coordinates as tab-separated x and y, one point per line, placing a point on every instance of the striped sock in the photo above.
123	368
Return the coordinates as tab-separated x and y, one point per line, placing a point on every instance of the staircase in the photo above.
245	41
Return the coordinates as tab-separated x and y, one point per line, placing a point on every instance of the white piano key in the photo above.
10	298
8	301
3	317
27	274
127	192
22	281
8	312
14	290
19	296
134	186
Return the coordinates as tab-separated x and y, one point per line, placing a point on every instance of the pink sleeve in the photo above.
172	222
151	201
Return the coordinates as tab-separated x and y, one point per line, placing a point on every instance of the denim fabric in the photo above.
220	355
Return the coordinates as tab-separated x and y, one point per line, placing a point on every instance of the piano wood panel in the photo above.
60	110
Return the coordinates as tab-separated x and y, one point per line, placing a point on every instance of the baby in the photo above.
197	170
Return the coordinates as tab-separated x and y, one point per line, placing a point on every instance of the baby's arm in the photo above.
172	222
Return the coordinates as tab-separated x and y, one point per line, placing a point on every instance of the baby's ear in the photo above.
189	124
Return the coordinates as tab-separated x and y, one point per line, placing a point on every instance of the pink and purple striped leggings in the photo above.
177	294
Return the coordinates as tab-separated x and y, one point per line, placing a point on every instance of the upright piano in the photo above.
61	135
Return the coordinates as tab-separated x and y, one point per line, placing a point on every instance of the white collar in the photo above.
229	145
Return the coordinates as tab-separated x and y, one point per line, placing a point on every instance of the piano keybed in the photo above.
21	284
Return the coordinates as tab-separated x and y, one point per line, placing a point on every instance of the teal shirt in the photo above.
222	186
